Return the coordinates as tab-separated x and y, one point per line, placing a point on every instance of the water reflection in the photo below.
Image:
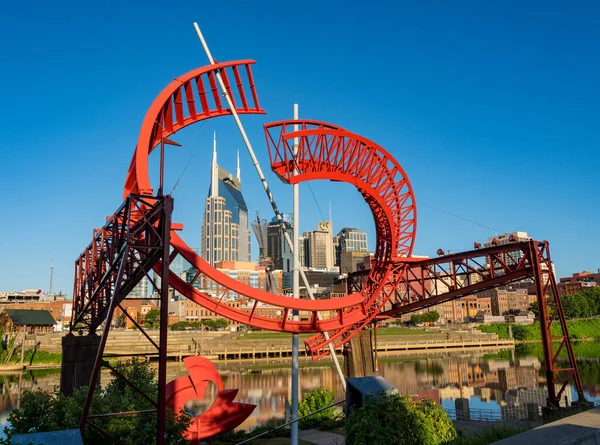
500	383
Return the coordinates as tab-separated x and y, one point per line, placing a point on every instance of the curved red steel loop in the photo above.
223	415
190	98
326	151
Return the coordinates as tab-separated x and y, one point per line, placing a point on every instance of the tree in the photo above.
393	419
432	316
533	307
416	319
120	321
427	317
152	318
210	324
41	411
576	305
221	323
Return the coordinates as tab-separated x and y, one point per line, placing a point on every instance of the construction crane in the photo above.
260	230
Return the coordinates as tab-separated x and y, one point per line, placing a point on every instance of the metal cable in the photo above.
316	202
189	160
461	217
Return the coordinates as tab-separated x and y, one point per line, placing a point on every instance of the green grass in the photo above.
31	358
40	357
579	329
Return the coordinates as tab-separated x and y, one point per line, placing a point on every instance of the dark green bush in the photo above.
399	420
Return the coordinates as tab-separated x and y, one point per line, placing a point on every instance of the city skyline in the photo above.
475	93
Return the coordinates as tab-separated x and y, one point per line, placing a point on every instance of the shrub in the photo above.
40	411
394	419
312	401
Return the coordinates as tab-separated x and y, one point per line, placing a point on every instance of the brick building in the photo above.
508	299
580	281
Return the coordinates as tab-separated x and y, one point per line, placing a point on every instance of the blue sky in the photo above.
490	107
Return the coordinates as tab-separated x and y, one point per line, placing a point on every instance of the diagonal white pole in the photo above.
256	164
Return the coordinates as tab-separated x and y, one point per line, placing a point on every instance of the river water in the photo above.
497	385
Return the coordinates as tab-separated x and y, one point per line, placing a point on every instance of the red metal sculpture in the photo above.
223	415
325	151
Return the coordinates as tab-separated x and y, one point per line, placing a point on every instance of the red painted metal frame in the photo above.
333	154
326	151
96	269
133	240
190	98
425	283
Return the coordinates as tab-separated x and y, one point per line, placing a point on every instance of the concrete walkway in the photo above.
582	428
321	437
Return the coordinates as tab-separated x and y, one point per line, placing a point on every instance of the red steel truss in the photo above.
425	283
134	240
326	151
190	98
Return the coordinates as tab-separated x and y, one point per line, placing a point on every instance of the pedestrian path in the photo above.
321	437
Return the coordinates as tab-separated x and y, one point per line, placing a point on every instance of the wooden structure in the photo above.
36	321
359	360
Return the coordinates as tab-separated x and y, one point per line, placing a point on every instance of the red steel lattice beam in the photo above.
425	283
120	255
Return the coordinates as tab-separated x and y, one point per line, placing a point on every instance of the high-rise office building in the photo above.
225	233
141	289
320	242
277	247
349	240
304	250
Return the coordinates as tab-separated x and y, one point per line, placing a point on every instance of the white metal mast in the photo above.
295	291
51	290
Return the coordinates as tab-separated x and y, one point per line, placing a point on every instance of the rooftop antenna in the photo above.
51	290
237	170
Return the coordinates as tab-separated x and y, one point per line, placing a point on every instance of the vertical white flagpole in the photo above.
296	292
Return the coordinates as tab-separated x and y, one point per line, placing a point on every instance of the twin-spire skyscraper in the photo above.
225	233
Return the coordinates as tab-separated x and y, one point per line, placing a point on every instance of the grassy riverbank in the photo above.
32	357
578	330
